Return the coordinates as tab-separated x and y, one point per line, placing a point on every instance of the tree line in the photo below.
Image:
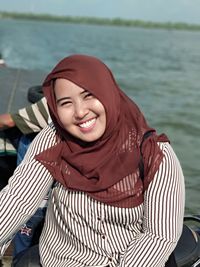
102	21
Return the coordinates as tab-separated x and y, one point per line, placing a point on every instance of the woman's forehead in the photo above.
64	86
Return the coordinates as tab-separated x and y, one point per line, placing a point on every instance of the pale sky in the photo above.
149	10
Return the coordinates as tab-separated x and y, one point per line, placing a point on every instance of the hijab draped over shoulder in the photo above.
107	169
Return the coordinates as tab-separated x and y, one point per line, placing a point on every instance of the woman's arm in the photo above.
26	188
6	121
163	216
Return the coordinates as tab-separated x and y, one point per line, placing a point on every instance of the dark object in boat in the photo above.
187	252
8	160
7	167
34	93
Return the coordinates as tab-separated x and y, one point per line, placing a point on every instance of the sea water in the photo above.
158	69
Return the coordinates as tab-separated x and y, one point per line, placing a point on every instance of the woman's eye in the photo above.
65	103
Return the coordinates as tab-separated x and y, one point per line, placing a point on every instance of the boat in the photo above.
21	87
14	86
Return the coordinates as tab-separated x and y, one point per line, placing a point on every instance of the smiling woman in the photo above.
102	211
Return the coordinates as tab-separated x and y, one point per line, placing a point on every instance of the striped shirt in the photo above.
80	231
32	118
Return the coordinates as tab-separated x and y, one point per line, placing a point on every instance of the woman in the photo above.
102	211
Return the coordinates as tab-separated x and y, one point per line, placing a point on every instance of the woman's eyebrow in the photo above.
84	91
67	97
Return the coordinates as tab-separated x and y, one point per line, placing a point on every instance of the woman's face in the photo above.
81	114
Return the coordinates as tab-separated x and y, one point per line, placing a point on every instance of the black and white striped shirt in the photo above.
80	231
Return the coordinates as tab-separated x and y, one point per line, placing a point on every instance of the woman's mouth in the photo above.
87	125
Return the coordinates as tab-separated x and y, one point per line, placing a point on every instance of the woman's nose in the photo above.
80	110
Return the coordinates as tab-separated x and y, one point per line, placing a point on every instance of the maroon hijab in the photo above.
106	169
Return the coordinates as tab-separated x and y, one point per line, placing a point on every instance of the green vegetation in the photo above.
101	21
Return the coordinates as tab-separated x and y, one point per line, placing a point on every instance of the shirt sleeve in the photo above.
32	118
163	216
26	189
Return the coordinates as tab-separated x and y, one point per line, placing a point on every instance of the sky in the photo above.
149	10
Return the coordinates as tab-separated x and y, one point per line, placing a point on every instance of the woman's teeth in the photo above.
87	124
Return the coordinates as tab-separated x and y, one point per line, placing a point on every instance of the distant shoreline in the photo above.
102	21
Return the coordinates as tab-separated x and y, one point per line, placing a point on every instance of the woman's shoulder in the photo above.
45	139
166	148
170	159
50	128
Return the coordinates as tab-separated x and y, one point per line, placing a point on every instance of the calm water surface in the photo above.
159	69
